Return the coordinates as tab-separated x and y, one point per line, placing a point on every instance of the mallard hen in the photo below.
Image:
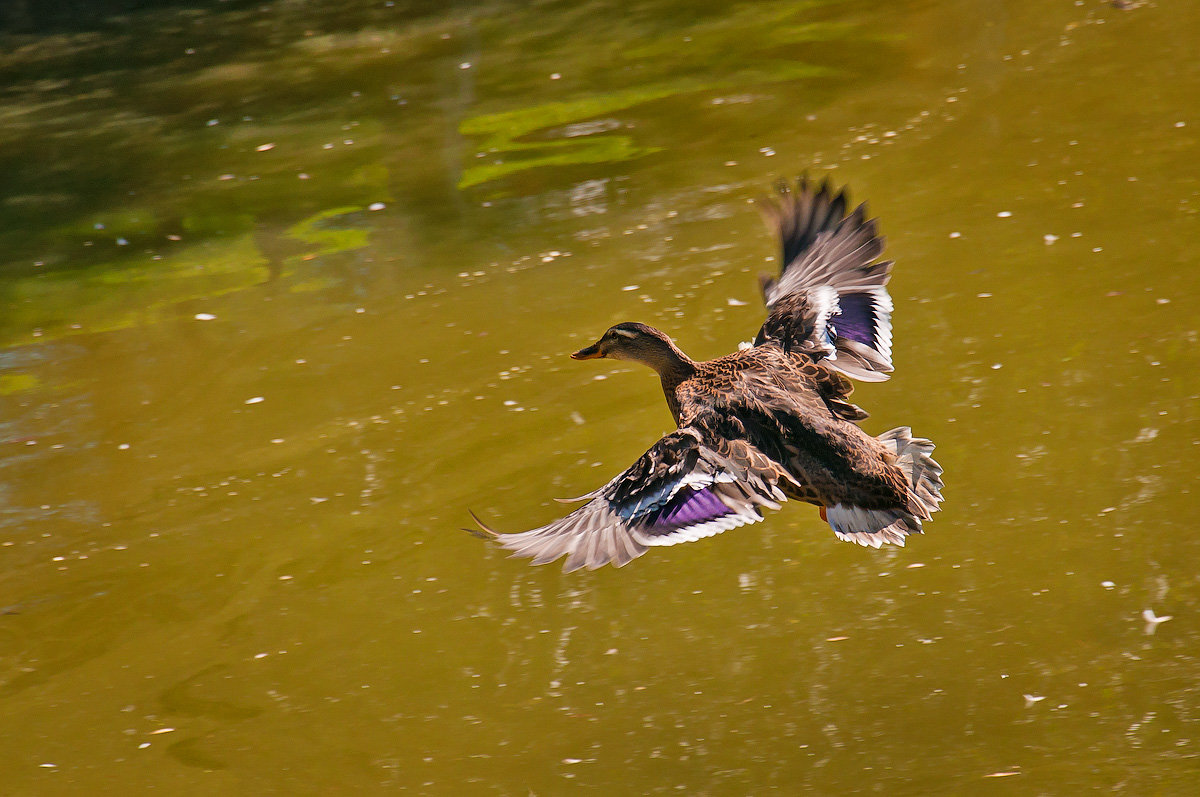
770	422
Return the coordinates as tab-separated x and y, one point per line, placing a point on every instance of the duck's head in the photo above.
637	342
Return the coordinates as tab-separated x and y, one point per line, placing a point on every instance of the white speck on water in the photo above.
1152	620
122	242
1049	239
212	123
143	745
997	366
956	234
376	206
732	302
555	76
255	400
1181	124
576	418
264	147
630	288
1033	699
204	317
465	65
162	730
1004	214
767	151
48	766
123	447
1107	584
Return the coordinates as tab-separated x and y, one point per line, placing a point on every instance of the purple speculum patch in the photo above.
688	507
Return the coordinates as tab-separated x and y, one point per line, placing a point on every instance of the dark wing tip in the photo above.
484	532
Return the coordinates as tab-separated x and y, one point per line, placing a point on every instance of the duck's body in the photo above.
770	422
794	409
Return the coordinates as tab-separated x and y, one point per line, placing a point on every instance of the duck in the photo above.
770	422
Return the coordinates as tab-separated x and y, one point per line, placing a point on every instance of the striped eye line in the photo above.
625	333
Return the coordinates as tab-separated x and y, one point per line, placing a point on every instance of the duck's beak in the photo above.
588	353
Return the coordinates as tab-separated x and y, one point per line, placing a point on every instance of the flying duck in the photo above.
770	422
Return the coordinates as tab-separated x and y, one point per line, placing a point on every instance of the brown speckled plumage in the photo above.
768	423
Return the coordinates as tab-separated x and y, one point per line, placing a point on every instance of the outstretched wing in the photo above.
683	489
830	299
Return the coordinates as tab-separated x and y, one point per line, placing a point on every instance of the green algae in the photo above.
126	293
136	289
748	46
17	383
501	132
332	230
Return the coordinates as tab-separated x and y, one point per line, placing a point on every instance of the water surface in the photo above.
287	287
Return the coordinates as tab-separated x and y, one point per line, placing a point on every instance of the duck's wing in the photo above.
830	298
689	485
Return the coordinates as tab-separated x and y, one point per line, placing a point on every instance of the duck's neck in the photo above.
673	368
668	361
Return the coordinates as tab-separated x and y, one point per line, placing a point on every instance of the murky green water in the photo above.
287	287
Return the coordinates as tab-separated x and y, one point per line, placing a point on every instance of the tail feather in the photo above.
874	527
871	528
913	454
